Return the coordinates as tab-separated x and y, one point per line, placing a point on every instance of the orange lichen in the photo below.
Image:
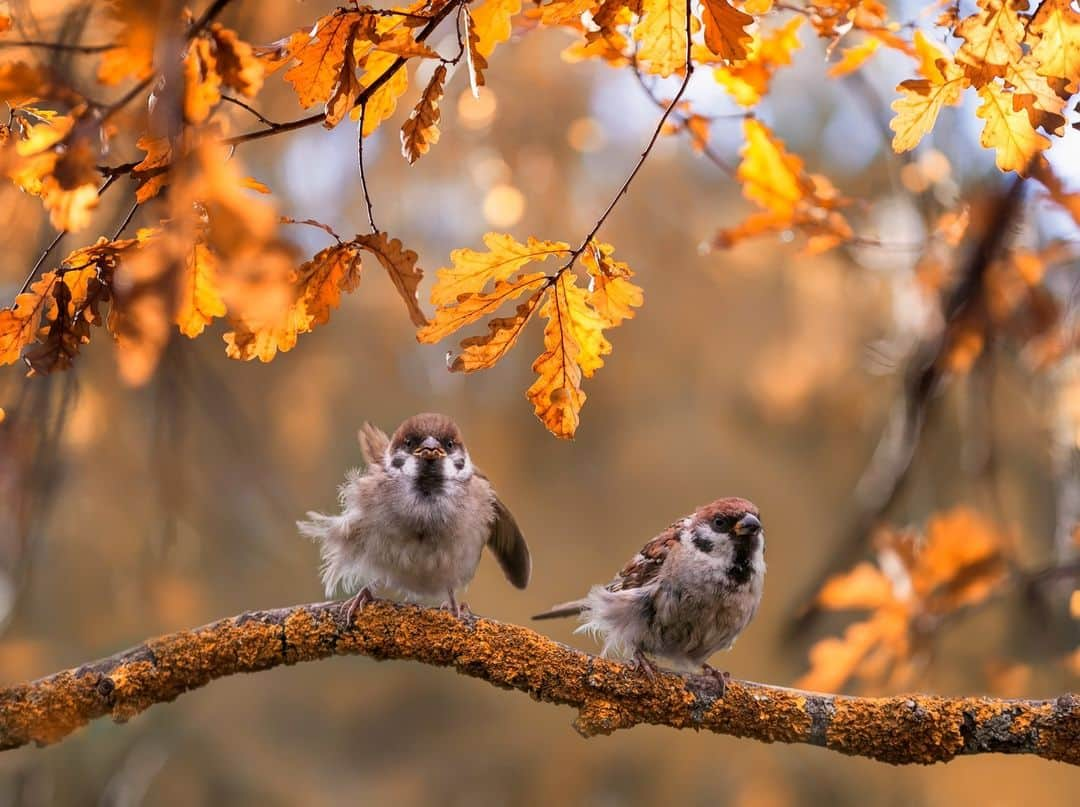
608	695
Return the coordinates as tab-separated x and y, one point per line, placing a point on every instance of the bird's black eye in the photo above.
449	444
409	442
723	523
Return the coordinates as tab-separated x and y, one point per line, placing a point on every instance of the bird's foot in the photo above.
716	679
641	663
355	603
460	610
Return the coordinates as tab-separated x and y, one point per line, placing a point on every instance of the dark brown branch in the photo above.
890	465
360	166
607	695
361	99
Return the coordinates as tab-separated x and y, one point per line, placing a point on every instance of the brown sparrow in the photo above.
689	592
416	519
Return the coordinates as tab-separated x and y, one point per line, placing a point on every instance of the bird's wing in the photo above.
646	564
373	444
508	545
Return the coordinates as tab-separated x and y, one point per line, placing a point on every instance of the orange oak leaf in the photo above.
134	55
159	155
1033	94
347	87
19	324
332	271
400	264
725	29
202	83
491	21
471	270
748	80
863	587
992	40
401	42
236	61
319	60
770	175
1008	131
421	131
661	36
475	61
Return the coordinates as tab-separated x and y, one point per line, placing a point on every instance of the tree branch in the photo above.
608	695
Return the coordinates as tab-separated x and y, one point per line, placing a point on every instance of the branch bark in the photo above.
608	695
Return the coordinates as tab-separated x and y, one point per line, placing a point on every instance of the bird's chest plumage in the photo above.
431	534
696	620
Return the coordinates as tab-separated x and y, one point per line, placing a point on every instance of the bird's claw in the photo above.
642	664
717	678
460	610
355	603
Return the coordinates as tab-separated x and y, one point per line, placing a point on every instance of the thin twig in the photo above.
126	221
59	46
648	148
360	165
262	119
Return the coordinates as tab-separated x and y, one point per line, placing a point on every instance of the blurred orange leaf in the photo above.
747	81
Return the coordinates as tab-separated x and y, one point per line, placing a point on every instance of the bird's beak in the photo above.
430	449
748	525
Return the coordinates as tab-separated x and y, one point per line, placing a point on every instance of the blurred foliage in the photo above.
154	485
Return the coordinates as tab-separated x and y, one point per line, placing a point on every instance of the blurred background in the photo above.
761	371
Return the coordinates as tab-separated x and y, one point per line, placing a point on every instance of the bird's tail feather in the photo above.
572	608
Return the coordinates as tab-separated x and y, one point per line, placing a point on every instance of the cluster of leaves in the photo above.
214	250
917	582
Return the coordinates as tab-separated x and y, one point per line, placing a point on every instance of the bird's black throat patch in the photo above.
429	478
742	565
704	544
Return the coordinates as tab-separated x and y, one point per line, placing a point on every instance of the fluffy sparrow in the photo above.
689	592
416	519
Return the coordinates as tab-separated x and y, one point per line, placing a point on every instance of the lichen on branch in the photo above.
607	695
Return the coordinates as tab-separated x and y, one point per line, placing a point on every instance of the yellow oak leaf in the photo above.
263	339
421	131
854	58
611	293
159	155
1032	92
770	175
748	80
400	265
198	298
921	100
725	29
661	36
1056	49
471	307
472	270
1007	130
992	40
382	103
482	352
556	394
475	61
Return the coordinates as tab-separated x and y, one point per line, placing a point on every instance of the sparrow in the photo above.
415	519
689	592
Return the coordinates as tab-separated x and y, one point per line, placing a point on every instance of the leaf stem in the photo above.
360	165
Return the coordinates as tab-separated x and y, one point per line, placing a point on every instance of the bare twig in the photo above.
262	119
58	46
360	166
607	695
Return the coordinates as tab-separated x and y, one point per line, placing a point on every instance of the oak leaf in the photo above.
748	80
346	89
482	352
1056	47
237	64
202	83
319	60
400	264
611	293
922	99
382	103
1008	130
421	131
992	40
19	324
661	36
725	29
475	61
770	175
854	58
199	299
134	55
1033	93
472	270
476	305
159	156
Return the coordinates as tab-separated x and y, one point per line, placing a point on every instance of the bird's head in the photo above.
428	449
